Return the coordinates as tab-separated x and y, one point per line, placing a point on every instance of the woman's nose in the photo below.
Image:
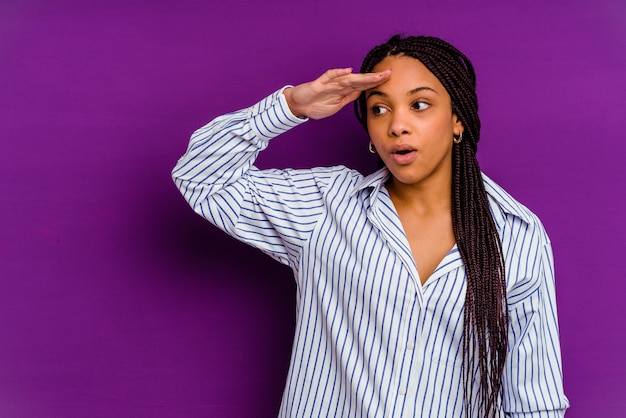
399	125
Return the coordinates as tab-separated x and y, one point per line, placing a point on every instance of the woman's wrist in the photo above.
292	106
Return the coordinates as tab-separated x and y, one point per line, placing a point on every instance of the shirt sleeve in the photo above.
533	378
273	210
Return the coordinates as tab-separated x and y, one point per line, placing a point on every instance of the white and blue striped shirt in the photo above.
370	339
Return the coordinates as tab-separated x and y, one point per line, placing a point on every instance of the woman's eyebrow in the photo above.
418	89
409	93
376	93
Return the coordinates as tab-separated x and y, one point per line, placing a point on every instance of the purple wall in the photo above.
116	300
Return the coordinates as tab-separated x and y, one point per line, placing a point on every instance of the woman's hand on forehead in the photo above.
329	93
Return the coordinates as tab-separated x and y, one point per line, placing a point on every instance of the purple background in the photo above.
117	300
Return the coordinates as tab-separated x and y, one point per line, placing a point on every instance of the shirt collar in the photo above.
374	181
500	202
503	204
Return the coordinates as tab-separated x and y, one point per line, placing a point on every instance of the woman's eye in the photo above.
378	110
420	105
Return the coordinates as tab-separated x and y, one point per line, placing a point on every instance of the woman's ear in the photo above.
457	125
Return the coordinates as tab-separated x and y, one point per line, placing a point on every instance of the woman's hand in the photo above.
329	93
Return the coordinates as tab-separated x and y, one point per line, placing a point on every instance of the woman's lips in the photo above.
404	156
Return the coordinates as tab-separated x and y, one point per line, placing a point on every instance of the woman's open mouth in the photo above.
404	156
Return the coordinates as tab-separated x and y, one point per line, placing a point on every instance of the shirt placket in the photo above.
407	370
401	399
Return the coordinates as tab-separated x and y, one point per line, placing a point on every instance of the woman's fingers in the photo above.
336	72
346	79
334	89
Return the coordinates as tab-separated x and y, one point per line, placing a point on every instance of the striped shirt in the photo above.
370	339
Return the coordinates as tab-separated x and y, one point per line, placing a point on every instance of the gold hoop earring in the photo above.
371	148
457	140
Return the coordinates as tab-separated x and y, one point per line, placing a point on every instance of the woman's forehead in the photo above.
408	73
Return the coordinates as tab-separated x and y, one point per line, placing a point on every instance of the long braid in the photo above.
485	314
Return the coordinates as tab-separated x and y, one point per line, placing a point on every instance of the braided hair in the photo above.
485	314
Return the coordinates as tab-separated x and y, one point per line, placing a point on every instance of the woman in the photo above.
424	289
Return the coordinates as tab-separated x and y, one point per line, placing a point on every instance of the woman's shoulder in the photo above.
504	205
335	177
346	183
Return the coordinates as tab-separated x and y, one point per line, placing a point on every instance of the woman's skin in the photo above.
329	93
411	126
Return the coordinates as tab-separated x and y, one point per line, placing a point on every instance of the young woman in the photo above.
424	289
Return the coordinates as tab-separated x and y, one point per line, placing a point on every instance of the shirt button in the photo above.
402	391
410	346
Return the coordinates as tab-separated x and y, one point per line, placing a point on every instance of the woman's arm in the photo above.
272	210
533	377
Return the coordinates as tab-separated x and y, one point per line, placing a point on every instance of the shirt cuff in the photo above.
541	414
272	116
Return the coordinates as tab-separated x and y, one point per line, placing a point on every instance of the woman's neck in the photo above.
432	196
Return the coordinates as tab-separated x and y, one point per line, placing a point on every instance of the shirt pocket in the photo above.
442	325
447	356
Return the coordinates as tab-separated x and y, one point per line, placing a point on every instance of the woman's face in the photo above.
411	124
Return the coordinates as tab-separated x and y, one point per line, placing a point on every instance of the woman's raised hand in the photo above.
329	93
